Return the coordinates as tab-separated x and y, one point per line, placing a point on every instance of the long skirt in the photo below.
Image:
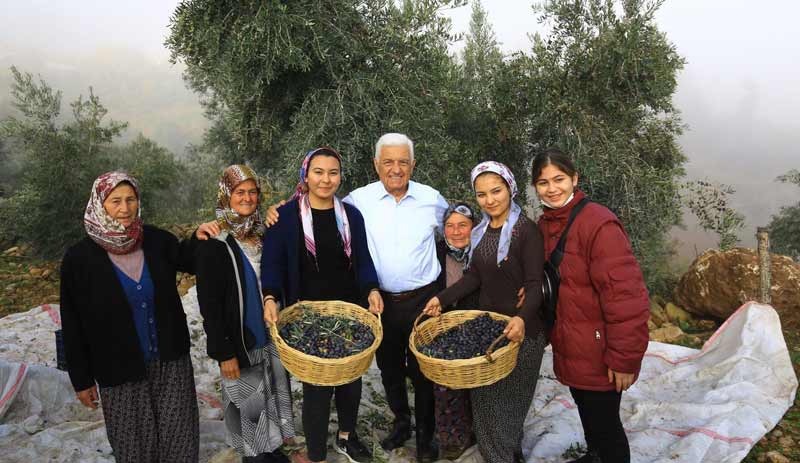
499	409
258	405
155	419
453	418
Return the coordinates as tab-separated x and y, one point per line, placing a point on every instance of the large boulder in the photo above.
719	282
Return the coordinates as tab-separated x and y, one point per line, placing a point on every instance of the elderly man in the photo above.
401	218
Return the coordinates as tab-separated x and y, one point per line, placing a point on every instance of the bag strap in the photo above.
558	253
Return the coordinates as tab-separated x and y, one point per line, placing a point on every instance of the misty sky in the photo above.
739	93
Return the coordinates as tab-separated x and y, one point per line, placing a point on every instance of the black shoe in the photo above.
590	457
274	457
256	459
426	453
352	448
401	432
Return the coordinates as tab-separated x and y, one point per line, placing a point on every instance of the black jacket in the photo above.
100	339
222	301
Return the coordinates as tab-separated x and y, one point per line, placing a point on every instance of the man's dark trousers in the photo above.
397	362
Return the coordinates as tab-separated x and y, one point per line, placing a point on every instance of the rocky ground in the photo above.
26	282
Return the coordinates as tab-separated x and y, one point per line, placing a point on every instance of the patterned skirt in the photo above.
258	405
453	418
499	410
155	419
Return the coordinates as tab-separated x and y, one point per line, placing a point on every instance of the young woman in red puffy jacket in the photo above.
600	334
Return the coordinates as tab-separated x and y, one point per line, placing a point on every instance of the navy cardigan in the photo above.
280	259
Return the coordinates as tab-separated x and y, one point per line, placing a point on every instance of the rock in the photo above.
786	443
185	282
46	273
667	333
776	457
719	282
762	458
651	325
777	433
705	325
12	251
657	314
35	272
33	424
225	456
675	314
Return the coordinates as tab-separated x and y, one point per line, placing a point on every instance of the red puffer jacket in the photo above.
603	304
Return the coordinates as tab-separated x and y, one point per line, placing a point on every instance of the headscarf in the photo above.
459	254
105	230
505	234
228	219
301	194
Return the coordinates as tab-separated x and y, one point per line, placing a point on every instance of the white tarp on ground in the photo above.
708	405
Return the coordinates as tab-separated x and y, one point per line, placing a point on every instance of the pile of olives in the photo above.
327	336
467	340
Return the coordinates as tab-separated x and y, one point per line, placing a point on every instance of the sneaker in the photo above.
352	448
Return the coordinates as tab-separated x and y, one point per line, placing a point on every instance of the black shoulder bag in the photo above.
552	278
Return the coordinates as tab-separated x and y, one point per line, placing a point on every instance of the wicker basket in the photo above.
465	373
321	371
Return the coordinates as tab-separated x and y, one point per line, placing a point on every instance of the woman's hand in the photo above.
229	368
375	302
88	397
623	380
515	330
270	310
207	230
433	308
271	217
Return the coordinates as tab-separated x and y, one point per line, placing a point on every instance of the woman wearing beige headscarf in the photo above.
255	385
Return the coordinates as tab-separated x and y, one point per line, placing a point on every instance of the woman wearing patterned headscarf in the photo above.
506	253
255	386
125	330
318	251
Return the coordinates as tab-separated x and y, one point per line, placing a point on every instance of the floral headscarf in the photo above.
459	254
301	194
505	234
105	230
228	219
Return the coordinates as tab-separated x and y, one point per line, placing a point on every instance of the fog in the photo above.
738	94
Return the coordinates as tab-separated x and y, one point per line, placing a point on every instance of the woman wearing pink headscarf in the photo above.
506	253
125	330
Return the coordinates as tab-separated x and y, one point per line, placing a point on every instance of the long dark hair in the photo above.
555	157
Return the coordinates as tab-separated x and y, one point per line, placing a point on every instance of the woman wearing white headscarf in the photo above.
125	330
506	253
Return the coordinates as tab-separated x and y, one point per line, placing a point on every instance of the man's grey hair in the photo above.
394	139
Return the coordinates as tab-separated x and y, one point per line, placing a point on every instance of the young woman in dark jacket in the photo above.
125	330
600	334
318	251
255	385
506	254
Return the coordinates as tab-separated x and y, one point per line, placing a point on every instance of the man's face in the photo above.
394	167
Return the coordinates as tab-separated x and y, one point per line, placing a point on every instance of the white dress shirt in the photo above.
401	235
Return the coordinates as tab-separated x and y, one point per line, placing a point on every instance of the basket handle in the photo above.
490	350
416	321
274	334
